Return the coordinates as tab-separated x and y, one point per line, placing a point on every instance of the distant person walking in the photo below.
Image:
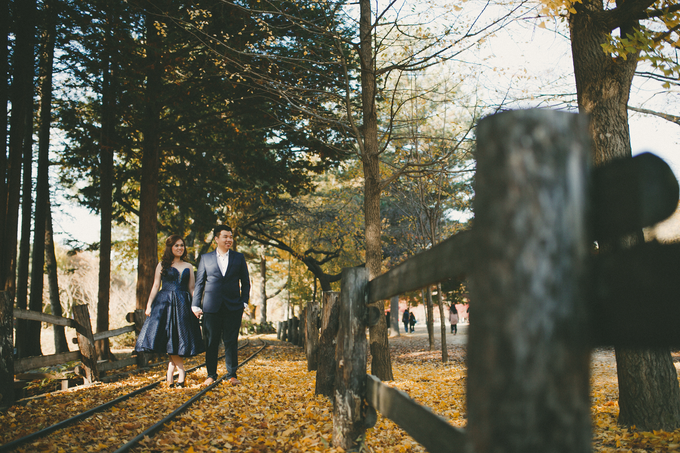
170	326
453	319
412	321
405	320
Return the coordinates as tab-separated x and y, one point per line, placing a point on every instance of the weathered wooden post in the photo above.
350	354
528	351
302	329
138	317
284	330
279	331
325	373
88	352
312	335
295	324
6	351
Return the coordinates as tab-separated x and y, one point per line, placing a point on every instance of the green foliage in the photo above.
250	327
224	135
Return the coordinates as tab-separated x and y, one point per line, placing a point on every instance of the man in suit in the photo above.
220	295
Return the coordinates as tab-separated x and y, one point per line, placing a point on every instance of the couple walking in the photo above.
220	294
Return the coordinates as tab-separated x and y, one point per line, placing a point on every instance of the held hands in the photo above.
198	313
148	310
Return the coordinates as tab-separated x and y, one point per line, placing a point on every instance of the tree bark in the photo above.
42	184
60	343
4	98
394	316
651	384
6	352
26	330
263	286
430	318
381	363
148	201
442	317
21	97
106	188
603	87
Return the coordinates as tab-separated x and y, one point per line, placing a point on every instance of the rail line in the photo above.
83	415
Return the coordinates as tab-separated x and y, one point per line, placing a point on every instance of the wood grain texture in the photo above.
312	335
88	351
7	365
43	317
528	354
429	429
450	258
325	374
350	355
32	363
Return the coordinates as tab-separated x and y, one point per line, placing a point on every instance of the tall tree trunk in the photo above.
394	316
106	190
440	299
263	286
26	330
42	184
148	201
4	98
430	318
60	343
21	98
603	86
381	364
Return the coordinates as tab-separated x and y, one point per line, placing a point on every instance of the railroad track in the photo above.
9	446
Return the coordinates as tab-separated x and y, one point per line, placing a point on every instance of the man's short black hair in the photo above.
219	228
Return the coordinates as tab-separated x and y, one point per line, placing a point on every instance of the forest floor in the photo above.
275	410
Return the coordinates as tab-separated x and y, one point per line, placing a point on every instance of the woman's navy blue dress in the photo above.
172	327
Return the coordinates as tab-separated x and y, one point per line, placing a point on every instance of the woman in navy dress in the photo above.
171	326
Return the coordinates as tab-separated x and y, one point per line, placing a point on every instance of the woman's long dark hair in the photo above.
168	257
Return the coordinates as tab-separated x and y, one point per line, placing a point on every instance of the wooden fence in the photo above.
90	369
542	299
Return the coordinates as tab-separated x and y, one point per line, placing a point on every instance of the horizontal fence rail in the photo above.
450	258
43	317
429	429
89	368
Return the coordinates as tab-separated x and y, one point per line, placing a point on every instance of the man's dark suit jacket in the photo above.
212	289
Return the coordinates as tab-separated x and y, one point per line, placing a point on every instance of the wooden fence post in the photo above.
88	352
351	352
312	335
302	330
528	351
295	324
325	373
138	317
6	350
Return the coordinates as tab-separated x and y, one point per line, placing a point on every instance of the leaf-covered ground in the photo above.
276	409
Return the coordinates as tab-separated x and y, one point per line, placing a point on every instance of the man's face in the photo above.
224	240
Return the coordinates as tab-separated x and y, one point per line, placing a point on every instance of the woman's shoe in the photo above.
180	384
